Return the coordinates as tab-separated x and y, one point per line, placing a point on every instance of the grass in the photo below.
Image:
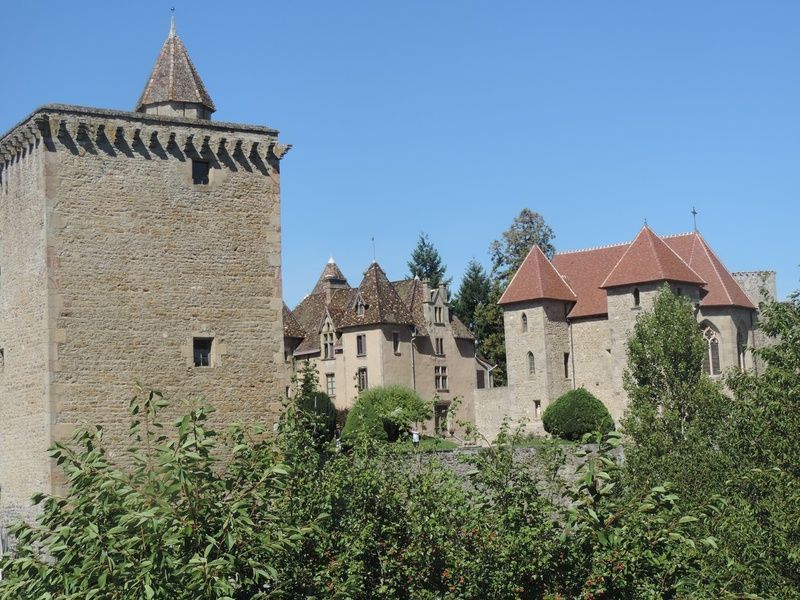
426	444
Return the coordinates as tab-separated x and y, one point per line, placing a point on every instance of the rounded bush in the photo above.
575	414
382	413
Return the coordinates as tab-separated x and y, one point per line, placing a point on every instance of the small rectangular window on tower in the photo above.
202	351
200	171
361	345
396	342
566	365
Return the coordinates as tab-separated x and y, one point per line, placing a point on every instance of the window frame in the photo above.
199	354
362	379
361	344
330	384
440	378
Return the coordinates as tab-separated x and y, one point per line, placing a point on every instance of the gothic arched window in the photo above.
531	364
524	322
741	346
711	356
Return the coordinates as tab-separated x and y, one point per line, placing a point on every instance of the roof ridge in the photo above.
617	245
714	267
675	235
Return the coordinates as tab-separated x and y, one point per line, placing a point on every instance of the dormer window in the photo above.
438	313
360	308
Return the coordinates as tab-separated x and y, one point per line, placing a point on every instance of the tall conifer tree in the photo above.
426	263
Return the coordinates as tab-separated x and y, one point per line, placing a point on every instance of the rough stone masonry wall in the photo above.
142	260
24	418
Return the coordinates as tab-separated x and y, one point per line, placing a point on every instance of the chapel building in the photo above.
567	321
135	246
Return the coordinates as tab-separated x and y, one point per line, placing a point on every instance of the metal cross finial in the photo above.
694	217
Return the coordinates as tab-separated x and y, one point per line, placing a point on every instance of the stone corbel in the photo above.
152	138
222	145
280	150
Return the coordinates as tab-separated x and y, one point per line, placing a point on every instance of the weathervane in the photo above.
694	217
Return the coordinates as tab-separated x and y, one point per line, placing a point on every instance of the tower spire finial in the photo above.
172	22
695	212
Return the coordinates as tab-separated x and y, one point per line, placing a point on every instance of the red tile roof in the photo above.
723	290
585	271
536	279
648	259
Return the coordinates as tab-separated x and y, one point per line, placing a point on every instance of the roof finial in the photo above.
694	217
374	257
172	22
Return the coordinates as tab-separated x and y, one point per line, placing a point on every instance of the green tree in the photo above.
426	263
507	253
383	413
673	407
176	522
490	333
473	291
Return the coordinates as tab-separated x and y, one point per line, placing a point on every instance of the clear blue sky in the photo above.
450	117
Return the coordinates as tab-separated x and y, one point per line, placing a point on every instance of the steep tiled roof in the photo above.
382	304
291	326
585	271
536	279
174	78
460	330
331	273
411	292
647	259
723	290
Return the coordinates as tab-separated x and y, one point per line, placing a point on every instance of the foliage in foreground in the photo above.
284	519
738	443
174	523
288	517
575	414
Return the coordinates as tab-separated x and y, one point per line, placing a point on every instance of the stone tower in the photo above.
535	312
134	247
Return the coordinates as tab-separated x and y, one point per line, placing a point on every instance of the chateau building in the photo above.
384	333
567	321
134	247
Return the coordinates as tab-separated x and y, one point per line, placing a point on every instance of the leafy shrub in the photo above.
382	413
320	407
575	414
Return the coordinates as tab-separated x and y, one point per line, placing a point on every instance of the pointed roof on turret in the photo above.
381	302
174	78
331	273
650	259
537	279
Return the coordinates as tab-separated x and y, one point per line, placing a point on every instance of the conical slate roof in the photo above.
382	304
537	279
174	78
648	259
331	272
